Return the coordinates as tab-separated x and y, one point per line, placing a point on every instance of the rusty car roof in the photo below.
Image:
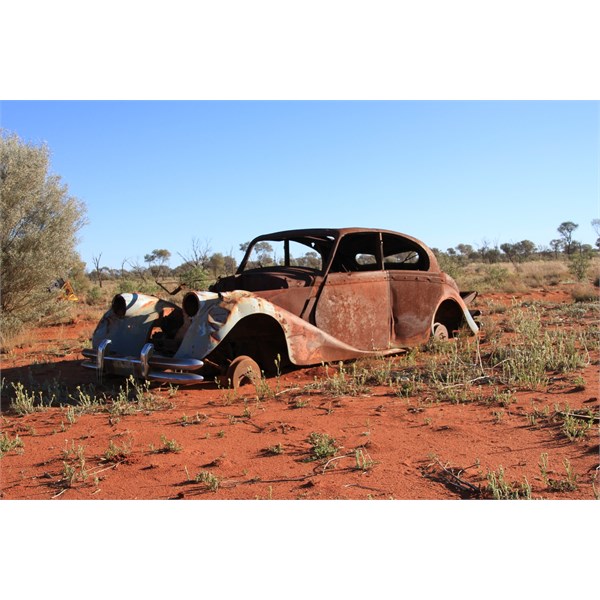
342	231
335	232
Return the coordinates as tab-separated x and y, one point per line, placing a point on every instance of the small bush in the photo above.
168	446
7	444
275	450
579	265
533	352
343	382
322	446
25	401
538	273
210	480
94	296
558	485
116	453
575	427
501	489
584	293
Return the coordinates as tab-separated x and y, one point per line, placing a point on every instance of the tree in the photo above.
230	264
157	262
122	272
488	253
192	276
525	248
39	222
310	259
216	264
97	268
199	254
556	246
138	270
465	250
580	260
510	251
566	230
263	253
596	227
518	252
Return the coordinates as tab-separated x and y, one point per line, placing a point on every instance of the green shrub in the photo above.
579	264
94	296
322	446
38	231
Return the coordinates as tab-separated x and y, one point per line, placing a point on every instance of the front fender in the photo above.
129	332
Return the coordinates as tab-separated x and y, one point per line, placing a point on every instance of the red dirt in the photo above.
410	441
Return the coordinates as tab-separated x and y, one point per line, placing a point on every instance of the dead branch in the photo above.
180	287
336	458
232	484
454	480
464	383
294	389
365	487
592	418
113	466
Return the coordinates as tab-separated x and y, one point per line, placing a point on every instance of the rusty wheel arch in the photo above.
260	337
450	314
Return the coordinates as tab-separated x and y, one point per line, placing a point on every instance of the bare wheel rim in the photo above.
242	370
440	332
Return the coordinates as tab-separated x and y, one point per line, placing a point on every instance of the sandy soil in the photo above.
209	443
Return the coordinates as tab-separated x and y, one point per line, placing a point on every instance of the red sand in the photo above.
259	449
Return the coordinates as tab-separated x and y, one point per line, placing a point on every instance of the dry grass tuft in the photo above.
585	292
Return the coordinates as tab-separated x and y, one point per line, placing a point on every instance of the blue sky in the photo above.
158	174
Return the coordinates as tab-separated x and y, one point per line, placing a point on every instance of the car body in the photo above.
354	292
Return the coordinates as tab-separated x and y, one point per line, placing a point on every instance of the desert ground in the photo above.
512	414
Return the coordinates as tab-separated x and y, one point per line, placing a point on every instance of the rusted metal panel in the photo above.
294	300
355	308
414	295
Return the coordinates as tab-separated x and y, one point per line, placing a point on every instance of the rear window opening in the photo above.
372	252
402	254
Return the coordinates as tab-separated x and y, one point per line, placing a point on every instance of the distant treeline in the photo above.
201	265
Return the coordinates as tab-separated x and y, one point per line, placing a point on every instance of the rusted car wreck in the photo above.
325	295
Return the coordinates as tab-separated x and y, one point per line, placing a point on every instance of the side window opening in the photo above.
303	255
305	252
402	254
357	252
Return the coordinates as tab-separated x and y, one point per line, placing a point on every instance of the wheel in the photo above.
440	332
243	369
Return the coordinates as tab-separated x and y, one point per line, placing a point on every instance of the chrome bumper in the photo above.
144	367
